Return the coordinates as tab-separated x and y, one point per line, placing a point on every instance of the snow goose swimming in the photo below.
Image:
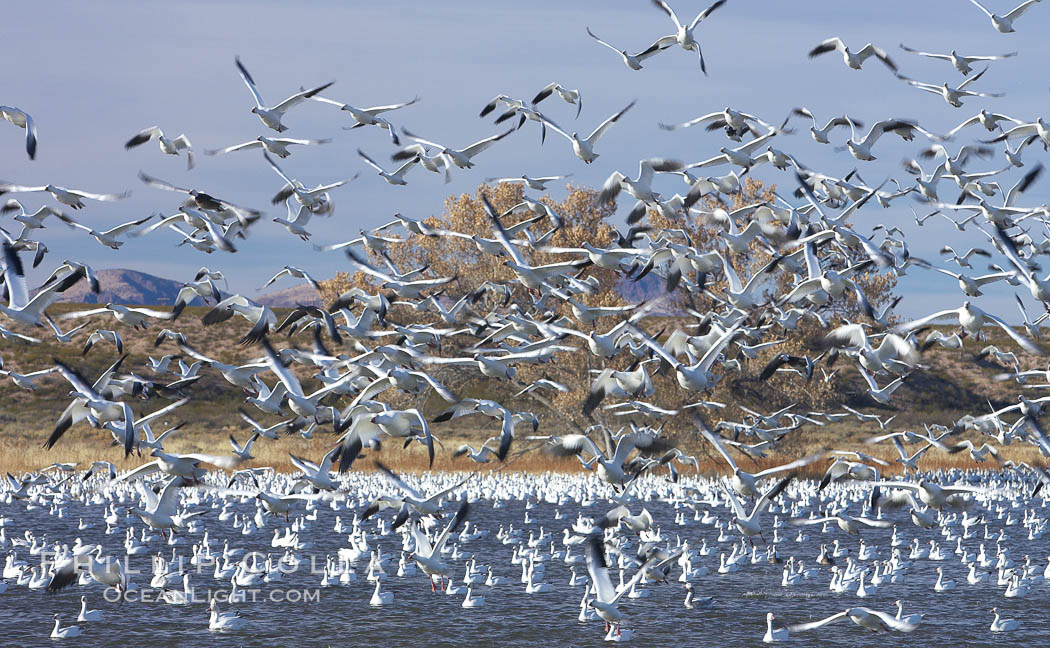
224	621
380	597
958	61
22	119
271	116
1003	625
66	632
775	635
853	59
1004	24
167	145
86	614
684	33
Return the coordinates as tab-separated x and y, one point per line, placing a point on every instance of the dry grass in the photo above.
954	384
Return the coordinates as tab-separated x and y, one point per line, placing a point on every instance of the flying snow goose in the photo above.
959	61
271	116
370	116
22	119
276	145
428	556
69	197
684	33
167	145
462	158
853	59
569	96
1004	24
393	177
864	617
584	147
633	61
953	96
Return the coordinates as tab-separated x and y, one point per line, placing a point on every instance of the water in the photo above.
341	615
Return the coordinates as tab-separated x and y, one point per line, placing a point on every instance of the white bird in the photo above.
271	116
370	116
853	59
1004	24
86	614
22	119
70	197
683	35
953	95
873	620
167	145
633	61
584	148
395	177
64	633
462	158
959	62
224	621
275	145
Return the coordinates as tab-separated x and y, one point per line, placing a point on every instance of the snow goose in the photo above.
567	95
1003	625
462	158
865	617
751	524
86	614
22	119
472	601
370	116
271	116
224	621
427	556
393	177
684	33
959	61
171	146
633	61
380	597
943	585
275	145
584	147
69	197
1004	24
606	594
852	59
775	635
64	633
953	96
971	319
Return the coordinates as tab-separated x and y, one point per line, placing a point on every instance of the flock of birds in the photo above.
816	248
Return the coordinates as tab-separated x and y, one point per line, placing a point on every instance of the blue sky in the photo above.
93	74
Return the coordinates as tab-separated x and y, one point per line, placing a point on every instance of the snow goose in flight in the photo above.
109	237
462	158
610	469
846	522
989	120
684	33
863	617
820	135
958	61
316	200
538	183
276	145
26	381
735	123
36	219
633	61
1005	24
971	319
745	483
297	399
569	96
584	148
370	116
167	145
271	116
20	307
930	494
422	504
69	197
262	318
245	451
428	556
605	593
853	59
861	149
952	95
641	188
179	465
22	119
103	335
395	177
750	524
1038	127
202	200
130	316
291	271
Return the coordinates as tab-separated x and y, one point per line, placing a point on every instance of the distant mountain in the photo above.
290	297
123	286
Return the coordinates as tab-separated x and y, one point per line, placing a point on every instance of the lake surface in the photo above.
341	615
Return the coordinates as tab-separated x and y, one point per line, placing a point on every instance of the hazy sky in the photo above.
94	73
